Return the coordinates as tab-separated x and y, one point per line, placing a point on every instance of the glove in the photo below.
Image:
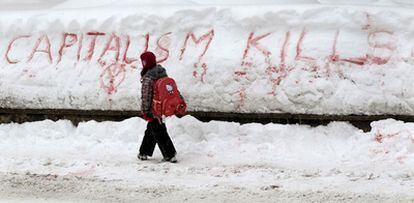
148	117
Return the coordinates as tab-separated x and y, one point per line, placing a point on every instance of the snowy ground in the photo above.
218	161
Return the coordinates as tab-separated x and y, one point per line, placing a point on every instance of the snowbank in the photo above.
337	157
319	59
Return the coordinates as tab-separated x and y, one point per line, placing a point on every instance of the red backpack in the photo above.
167	99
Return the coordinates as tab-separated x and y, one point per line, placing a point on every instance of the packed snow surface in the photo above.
97	161
302	57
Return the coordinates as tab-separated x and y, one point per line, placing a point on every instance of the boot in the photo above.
171	160
142	157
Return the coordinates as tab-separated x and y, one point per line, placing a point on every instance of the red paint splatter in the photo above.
239	74
9	46
280	72
379	137
204	71
242	97
69	39
111	77
46	50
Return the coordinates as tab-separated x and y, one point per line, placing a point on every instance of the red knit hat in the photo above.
148	60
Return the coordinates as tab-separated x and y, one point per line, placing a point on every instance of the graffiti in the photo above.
9	46
92	44
247	64
78	53
46	50
111	77
368	59
128	60
276	74
110	54
299	45
208	37
66	43
163	43
383	42
113	44
116	53
253	42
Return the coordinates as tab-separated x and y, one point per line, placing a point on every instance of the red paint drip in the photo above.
242	98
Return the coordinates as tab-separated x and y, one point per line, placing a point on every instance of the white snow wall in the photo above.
264	59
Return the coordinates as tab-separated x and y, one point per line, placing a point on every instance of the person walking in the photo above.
156	132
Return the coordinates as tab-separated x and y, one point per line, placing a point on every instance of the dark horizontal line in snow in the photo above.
8	115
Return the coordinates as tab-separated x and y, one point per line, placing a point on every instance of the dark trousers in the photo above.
156	133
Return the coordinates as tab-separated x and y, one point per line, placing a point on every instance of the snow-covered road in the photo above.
218	161
29	188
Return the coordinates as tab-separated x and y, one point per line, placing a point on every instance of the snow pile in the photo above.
218	153
101	3
395	140
318	59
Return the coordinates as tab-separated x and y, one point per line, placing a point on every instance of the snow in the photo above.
312	58
78	3
295	159
262	56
